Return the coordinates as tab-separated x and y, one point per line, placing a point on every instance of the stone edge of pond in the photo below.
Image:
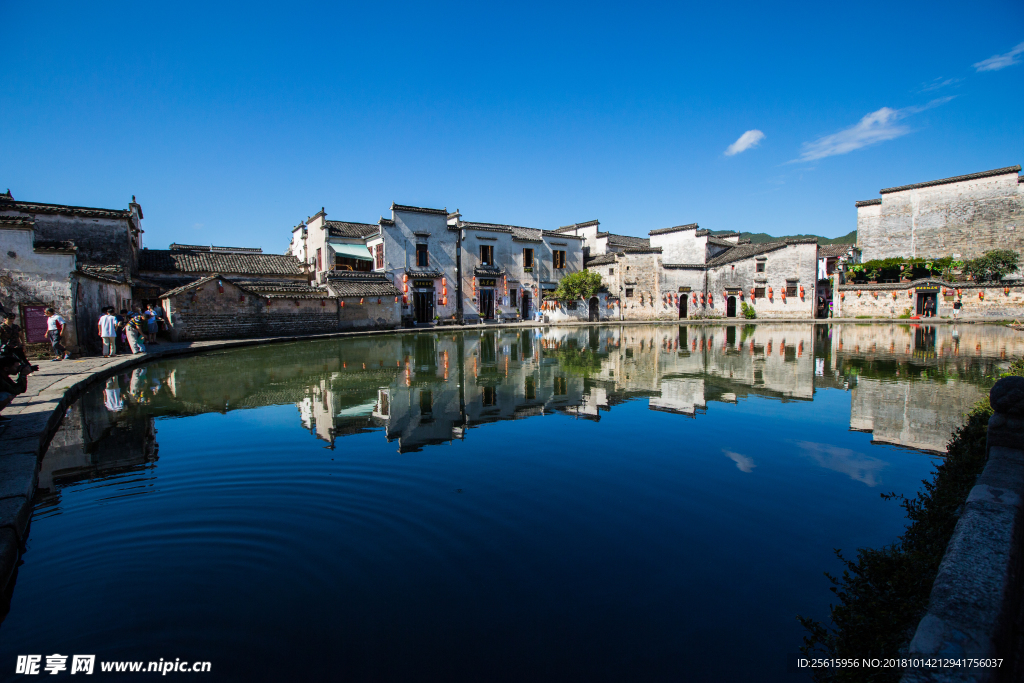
974	609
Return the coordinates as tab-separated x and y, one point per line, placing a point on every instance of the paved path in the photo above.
36	414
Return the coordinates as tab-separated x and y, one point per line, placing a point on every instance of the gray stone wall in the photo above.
967	218
980	301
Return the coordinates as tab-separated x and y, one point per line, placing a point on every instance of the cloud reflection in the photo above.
857	466
743	463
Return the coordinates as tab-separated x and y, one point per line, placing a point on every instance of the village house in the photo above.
964	217
76	259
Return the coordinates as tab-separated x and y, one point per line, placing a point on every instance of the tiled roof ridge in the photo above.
7	203
574	226
561	235
641	250
868	202
16	221
418	209
212	248
491	227
801	240
954	179
676	228
54	245
195	283
368	225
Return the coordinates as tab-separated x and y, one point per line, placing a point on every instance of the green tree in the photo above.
581	285
993	266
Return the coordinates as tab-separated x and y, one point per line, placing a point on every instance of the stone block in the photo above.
18	476
15	513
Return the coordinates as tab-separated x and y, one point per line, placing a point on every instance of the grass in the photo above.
883	593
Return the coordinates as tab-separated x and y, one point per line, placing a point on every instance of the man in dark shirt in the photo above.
9	386
10	340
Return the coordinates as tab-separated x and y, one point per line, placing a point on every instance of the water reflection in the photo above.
908	385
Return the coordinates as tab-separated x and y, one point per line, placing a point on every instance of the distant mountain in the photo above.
761	237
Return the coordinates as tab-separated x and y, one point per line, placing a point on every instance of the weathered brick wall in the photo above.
99	240
641	274
979	301
30	278
966	218
207	313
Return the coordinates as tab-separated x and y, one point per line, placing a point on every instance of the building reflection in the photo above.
909	385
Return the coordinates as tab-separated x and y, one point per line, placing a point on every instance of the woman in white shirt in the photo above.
108	332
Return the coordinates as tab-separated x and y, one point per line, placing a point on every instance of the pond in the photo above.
572	503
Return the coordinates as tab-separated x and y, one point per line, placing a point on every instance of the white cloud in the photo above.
997	62
857	466
197	226
878	126
749	139
743	463
938	83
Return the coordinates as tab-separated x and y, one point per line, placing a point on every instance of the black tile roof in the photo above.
8	203
54	245
834	250
16	221
602	260
720	242
200	262
203	247
352	283
347	229
677	228
954	179
562	235
745	251
584	224
868	202
627	241
424	273
418	209
107	273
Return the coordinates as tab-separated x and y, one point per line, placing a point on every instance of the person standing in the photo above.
151	323
55	325
161	323
135	328
957	305
108	332
10	340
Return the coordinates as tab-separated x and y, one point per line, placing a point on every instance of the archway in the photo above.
594	315
730	307
682	304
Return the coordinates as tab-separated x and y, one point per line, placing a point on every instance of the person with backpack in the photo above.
55	325
135	328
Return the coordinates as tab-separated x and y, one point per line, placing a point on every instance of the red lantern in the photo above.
801	291
842	296
341	302
771	292
751	293
981	295
322	302
379	300
360	301
725	294
1006	290
710	302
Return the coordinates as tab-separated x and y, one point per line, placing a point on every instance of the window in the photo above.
486	255
530	388
558	258
527	258
611	271
512	298
758	292
561	386
426	402
489	396
421	256
571	305
790	288
319	261
760	267
629	291
380	257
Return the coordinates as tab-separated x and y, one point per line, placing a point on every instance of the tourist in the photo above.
135	329
9	387
10	341
55	325
957	305
108	332
929	308
161	322
152	322
122	337
112	396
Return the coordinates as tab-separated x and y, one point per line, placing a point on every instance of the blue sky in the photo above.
231	123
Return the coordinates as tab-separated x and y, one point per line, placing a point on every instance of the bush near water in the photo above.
883	593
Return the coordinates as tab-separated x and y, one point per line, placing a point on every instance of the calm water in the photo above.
636	503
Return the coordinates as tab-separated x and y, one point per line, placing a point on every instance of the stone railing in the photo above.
974	609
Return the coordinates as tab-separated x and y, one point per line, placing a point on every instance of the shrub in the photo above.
993	266
581	285
748	311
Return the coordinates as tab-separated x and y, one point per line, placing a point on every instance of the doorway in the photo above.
594	315
526	305
927	303
487	304
683	299
423	306
730	307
